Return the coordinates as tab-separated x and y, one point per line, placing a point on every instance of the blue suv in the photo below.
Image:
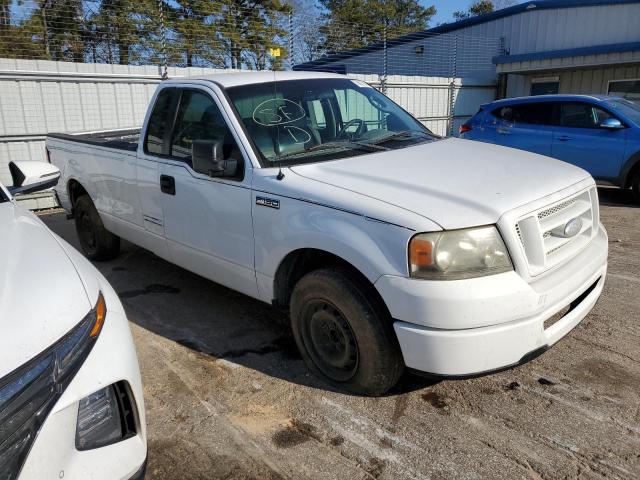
598	133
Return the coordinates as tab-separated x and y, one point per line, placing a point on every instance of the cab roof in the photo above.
228	80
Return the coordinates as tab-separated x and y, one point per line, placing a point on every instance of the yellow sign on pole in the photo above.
274	52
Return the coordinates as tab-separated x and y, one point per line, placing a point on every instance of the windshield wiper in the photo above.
398	135
333	146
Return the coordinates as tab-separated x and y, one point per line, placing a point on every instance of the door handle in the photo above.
564	138
503	131
168	184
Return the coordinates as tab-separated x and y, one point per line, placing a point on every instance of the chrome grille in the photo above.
541	232
556	208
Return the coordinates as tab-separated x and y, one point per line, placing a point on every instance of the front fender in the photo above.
374	248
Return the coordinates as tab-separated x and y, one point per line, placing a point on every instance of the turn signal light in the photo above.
100	311
420	253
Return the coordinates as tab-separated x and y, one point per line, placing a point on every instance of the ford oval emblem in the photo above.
572	227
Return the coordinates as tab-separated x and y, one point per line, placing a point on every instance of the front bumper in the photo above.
112	359
468	327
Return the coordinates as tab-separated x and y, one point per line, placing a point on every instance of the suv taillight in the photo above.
465	128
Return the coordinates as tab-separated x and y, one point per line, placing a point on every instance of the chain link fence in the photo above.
91	65
235	34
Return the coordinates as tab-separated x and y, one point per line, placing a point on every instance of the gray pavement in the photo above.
228	397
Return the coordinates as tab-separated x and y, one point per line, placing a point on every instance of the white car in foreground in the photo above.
71	401
389	246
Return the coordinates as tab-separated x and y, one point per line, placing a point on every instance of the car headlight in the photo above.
28	394
458	254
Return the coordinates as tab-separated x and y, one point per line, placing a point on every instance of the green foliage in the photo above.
219	33
480	7
247	30
355	23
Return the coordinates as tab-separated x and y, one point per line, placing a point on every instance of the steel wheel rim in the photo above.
330	341
87	233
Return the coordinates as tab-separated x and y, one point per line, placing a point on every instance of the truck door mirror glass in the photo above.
30	177
207	157
611	124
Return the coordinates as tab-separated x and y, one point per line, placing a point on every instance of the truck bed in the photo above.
118	139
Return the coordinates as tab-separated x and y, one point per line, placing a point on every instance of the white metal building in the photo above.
545	46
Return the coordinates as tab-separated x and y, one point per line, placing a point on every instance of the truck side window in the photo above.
158	122
199	118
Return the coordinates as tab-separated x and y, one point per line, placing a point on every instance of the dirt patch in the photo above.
435	400
295	433
259	419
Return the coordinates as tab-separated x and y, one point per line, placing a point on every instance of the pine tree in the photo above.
247	30
357	23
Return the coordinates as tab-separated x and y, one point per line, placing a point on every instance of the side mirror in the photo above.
611	124
207	158
29	177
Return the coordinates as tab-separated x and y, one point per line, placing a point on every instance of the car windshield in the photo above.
302	121
629	109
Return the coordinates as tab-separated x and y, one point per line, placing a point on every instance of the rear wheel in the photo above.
343	335
635	185
96	241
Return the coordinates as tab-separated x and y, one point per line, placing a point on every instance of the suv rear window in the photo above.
544	113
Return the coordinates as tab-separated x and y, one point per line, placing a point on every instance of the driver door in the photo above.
207	220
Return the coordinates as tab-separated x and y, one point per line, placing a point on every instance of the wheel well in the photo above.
76	190
632	171
300	262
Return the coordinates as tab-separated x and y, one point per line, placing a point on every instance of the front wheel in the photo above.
343	335
96	241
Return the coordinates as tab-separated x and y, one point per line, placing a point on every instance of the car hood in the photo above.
454	183
41	295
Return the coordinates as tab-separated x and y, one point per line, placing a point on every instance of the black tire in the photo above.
96	241
343	334
635	185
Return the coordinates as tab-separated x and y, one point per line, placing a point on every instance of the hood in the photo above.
455	183
41	294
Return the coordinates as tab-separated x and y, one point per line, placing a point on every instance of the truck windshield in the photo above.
302	121
627	108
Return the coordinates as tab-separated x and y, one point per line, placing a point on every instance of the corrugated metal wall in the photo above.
560	28
429	98
38	97
585	81
526	32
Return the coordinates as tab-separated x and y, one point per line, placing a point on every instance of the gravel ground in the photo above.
227	395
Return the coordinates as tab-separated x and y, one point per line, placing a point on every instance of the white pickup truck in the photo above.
390	246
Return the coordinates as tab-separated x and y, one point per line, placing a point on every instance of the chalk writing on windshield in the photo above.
277	111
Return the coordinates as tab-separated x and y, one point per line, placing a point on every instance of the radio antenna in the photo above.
280	175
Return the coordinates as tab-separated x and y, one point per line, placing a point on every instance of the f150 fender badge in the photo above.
268	202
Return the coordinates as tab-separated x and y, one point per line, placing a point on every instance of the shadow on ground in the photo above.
616	197
207	317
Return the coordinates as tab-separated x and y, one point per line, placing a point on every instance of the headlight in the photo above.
458	254
28	394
